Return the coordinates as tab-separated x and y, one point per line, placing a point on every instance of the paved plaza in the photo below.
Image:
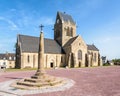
97	81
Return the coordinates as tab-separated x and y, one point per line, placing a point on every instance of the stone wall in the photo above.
7	63
65	37
11	64
93	58
30	60
79	45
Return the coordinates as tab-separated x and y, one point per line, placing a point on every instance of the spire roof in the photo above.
65	17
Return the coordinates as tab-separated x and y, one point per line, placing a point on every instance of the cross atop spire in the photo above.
41	27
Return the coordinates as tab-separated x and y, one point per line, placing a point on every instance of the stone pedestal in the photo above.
37	82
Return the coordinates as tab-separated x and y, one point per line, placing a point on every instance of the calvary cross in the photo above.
41	27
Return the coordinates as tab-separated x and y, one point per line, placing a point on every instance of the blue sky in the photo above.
98	21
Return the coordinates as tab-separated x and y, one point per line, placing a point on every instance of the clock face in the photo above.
57	20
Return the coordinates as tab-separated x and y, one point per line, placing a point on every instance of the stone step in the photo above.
32	84
33	80
39	84
39	80
42	77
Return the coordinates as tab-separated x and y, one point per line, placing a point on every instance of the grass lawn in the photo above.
30	69
13	69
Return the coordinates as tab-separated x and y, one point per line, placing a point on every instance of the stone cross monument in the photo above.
41	70
40	79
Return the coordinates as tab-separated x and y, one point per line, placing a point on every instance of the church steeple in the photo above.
64	28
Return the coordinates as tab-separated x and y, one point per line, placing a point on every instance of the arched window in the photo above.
28	58
79	55
68	31
57	33
71	31
62	59
95	57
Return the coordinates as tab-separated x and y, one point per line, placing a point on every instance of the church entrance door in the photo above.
51	64
79	64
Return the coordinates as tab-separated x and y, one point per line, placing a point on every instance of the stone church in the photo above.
66	49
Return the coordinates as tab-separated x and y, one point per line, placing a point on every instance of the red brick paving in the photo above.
98	81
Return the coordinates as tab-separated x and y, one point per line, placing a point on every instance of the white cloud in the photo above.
28	19
12	26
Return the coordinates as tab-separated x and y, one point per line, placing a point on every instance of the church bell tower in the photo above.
64	28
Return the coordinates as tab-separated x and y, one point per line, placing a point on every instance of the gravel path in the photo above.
98	81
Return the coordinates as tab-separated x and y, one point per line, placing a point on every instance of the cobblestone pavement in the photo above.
97	81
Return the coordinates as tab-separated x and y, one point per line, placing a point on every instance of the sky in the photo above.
98	21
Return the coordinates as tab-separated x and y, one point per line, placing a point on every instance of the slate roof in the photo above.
70	41
65	17
2	56
89	47
92	47
31	44
7	55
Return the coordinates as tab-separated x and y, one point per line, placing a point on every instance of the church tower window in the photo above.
71	32
68	31
57	33
79	55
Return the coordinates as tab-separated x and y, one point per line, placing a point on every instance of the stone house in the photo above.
66	49
7	60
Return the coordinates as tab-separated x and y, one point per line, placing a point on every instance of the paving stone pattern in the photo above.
97	81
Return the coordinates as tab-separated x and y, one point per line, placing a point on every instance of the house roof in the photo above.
31	44
65	17
92	47
7	56
2	56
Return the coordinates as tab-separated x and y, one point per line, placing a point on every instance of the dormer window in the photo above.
10	58
14	58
